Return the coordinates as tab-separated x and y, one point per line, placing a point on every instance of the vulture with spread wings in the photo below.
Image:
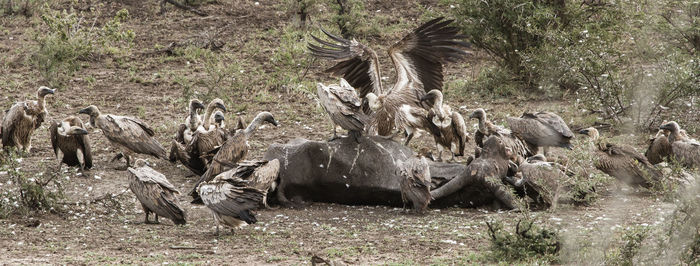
418	58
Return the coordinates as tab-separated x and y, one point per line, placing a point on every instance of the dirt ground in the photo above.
96	229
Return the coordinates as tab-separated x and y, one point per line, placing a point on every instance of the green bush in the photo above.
21	194
69	41
529	242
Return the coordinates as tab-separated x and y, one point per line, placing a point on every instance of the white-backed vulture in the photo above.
211	108
415	183
71	143
231	200
261	175
541	129
540	180
659	148
199	150
192	122
453	130
232	151
156	194
511	141
410	119
418	58
127	134
622	162
685	149
22	119
343	106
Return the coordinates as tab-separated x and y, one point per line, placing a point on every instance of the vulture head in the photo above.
478	114
375	102
671	126
219	118
591	132
217	103
416	168
43	91
196	105
433	98
266	117
67	130
91	110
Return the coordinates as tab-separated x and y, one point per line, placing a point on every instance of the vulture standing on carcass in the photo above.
129	135
622	162
261	175
540	180
486	129
685	149
344	107
541	129
415	183
231	200
71	143
232	151
418	58
22	119
156	194
452	128
659	148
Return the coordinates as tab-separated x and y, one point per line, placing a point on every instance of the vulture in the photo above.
129	135
344	107
192	122
622	162
510	140
200	144
231	200
412	118
156	194
211	108
541	129
452	128
22	119
659	148
232	151
415	180
70	143
261	175
540	180
418	58
685	149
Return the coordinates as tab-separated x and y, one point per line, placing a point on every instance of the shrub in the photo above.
529	242
632	239
21	194
69	41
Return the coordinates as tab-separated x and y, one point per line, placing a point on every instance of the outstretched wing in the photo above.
357	63
419	57
229	199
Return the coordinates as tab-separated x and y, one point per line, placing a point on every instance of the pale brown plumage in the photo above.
622	162
230	200
71	143
486	129
196	154
409	119
192	122
232	151
685	149
156	194
415	183
418	58
540	180
343	106
659	148
22	119
128	134
541	129
261	175
452	128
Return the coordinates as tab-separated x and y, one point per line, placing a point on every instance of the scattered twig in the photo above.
182	247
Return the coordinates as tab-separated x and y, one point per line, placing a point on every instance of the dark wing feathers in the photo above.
134	135
229	198
53	130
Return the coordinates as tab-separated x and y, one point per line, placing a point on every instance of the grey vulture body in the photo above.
156	194
541	129
22	119
343	106
659	148
685	149
230	200
71	143
486	129
129	135
540	180
418	58
231	152
415	183
622	162
261	175
192	122
452	130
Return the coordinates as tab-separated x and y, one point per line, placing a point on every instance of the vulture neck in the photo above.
482	125
94	116
41	101
376	74
402	75
207	117
193	119
253	126
675	136
63	128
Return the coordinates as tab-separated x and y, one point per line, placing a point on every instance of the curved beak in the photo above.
79	131
665	126
51	91
84	111
198	105
584	131
275	122
221	106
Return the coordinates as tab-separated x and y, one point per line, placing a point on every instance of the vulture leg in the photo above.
546	151
145	211
156	222
440	151
81	160
59	156
335	134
